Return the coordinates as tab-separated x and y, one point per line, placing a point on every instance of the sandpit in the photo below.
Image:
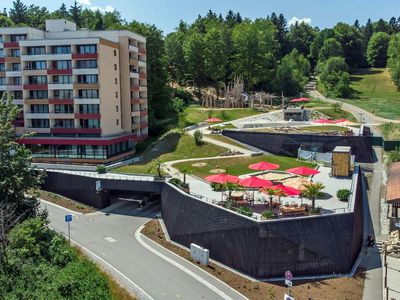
217	171
199	165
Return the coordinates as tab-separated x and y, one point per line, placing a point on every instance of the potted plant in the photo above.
268	214
343	195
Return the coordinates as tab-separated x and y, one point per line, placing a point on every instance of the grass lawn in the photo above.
375	90
225	139
315	103
64	201
239	166
172	146
338	114
391	131
324	128
196	114
225	126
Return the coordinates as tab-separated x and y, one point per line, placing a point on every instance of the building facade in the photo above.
83	93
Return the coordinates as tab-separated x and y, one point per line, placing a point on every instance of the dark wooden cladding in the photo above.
288	144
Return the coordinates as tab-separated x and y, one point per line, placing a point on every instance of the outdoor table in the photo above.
292	211
237	196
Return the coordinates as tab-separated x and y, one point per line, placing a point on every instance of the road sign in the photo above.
288	275
68	218
287	297
288	283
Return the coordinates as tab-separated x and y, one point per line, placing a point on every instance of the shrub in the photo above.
343	195
246	211
268	214
198	137
175	181
315	210
101	169
393	156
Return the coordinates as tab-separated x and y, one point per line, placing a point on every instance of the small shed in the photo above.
393	195
295	114
341	161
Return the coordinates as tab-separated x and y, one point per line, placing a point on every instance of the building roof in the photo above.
342	149
393	184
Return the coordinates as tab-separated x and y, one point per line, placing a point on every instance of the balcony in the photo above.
84	86
59	72
143	113
135	101
33	86
36	101
86	116
136	125
133	48
142	51
135	88
2	60
11	45
76	130
61	101
144	124
143	101
85	55
14	87
11	59
142	75
133	74
30	115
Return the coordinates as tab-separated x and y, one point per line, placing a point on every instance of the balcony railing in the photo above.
11	45
53	71
142	75
87	116
34	86
135	101
142	51
61	101
143	113
76	130
85	55
135	87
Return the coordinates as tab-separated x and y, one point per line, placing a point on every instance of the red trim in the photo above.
2	60
142	75
142	51
135	101
87	116
143	113
143	124
59	72
75	130
80	141
61	101
36	86
85	55
11	45
134	88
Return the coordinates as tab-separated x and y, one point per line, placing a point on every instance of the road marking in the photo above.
110	239
183	268
138	289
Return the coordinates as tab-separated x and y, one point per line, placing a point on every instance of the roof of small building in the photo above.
393	184
344	149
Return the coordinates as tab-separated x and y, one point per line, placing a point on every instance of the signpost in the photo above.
68	219
98	186
289	283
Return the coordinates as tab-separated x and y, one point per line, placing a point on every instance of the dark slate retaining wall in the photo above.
307	246
288	144
83	189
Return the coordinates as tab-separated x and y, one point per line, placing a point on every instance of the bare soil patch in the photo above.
338	288
199	165
217	171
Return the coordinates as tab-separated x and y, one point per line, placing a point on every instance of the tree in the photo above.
5	21
193	49
312	191
334	77
75	12
317	44
352	43
377	49
157	165
300	37
231	186
271	193
19	12
176	58
37	16
381	26
394	58
198	137
185	171
330	48
62	12
368	31
17	176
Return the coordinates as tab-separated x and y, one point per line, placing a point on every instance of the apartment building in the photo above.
83	93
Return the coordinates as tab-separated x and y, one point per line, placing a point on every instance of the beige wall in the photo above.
125	84
108	88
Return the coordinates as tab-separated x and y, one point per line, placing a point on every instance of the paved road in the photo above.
111	237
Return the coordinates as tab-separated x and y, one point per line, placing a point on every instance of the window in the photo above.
117	122
15	53
1	52
116	94
115	52
36	65
64	123
2	81
16	67
87	64
116	108
63	94
2	67
115	67
88	79
18	94
17	37
39	109
61	49
62	79
16	80
62	65
116	80
89	108
39	94
63	109
42	79
88	94
36	50
90	123
40	123
87	49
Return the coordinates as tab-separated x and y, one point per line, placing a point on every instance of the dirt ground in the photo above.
64	202
338	288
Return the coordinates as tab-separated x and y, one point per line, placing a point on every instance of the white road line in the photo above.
141	294
110	239
184	269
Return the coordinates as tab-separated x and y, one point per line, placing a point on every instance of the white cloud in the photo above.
103	9
85	2
293	21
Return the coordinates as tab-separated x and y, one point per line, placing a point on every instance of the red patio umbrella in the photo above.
297	100
255	182
303	171
287	190
222	178
213	120
323	121
264	166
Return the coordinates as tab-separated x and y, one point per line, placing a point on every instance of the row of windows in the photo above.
65	123
66	108
88	94
14	67
87	49
81	49
88	79
40	79
61	65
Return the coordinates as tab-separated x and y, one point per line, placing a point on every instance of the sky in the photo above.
166	14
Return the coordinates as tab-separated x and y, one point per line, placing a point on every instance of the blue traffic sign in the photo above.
68	218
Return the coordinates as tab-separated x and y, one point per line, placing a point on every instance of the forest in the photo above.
267	53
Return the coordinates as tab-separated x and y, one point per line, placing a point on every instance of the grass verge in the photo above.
338	288
225	139
64	202
173	146
390	131
239	166
324	128
338	114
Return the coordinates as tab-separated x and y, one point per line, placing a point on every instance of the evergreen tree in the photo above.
19	12
368	31
37	16
62	12
193	49
75	12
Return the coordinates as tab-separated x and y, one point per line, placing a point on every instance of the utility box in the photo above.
341	161
199	254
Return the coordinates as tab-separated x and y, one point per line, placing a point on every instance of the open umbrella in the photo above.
255	182
213	120
303	171
297	100
287	190
222	178
264	166
323	121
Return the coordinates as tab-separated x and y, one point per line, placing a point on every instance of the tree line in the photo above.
268	53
